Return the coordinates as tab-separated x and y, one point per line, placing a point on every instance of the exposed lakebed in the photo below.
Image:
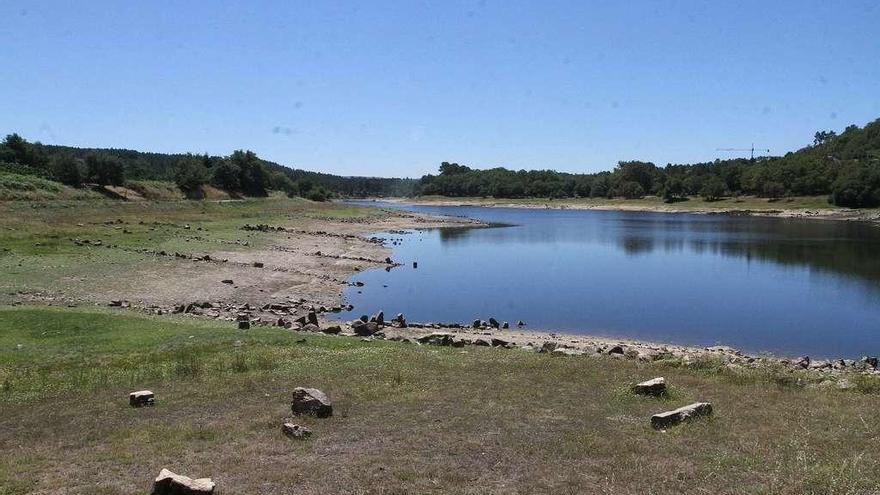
787	286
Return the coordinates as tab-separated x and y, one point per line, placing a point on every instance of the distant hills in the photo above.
844	166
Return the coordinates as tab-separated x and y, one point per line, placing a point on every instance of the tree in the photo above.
713	189
253	177
104	170
65	169
226	176
191	174
774	190
631	190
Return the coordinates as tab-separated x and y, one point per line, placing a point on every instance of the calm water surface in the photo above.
786	286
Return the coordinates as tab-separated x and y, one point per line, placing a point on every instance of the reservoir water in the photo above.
786	286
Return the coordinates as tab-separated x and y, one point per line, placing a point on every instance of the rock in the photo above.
520	323
257	264
505	325
482	342
313	318
494	323
415	264
548	347
845	384
295	431
332	330
244	325
617	349
564	351
168	483
388	261
436	338
496	342
311	401
309	327
365	318
871	361
379	318
141	398
655	387
400	320
803	362
364	329
227	281
671	418
477	323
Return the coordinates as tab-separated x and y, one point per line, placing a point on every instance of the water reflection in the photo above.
784	285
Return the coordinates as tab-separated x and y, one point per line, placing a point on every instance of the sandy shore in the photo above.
845	214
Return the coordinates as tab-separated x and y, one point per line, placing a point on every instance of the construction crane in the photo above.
751	150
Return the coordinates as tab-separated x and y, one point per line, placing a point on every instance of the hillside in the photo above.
242	173
844	166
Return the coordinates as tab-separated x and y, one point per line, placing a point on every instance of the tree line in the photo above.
844	166
240	173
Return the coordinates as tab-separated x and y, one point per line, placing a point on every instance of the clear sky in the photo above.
394	88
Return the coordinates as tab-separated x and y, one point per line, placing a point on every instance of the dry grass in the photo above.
409	419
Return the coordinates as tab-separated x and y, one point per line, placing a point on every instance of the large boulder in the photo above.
671	418
494	323
364	329
168	483
311	401
141	398
654	386
312	318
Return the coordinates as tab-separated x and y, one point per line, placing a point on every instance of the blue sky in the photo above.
394	88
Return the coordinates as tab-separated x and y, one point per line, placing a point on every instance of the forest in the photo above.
242	173
844	166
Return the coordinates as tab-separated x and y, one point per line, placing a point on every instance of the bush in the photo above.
66	170
191	174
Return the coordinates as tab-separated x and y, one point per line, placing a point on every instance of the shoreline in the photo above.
871	215
281	272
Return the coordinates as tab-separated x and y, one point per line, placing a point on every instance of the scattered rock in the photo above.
295	431
436	338
227	281
141	398
168	483
565	351
257	264
311	401
655	387
496	342
309	327
671	418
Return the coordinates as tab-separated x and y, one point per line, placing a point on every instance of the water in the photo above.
786	286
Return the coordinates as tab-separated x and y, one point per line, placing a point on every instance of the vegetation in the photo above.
409	419
846	167
242	173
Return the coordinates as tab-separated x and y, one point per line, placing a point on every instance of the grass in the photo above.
731	203
37	253
408	419
18	187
